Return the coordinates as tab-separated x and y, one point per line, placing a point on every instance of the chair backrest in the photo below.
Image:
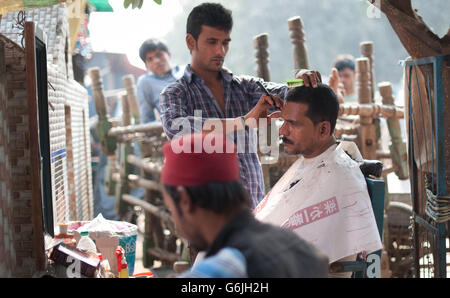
371	265
376	189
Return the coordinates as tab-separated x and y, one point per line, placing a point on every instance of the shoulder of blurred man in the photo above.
270	251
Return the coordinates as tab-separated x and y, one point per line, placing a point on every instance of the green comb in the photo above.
294	83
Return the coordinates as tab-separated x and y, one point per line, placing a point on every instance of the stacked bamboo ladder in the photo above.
118	144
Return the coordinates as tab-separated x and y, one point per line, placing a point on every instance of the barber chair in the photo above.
368	266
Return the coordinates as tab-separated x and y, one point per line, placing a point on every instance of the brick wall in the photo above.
16	230
69	141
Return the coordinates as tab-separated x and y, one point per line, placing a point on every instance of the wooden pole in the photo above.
367	51
298	40
136	181
367	135
125	167
145	164
371	110
366	48
397	146
133	103
150	129
261	44
97	90
156	211
35	162
104	123
126	113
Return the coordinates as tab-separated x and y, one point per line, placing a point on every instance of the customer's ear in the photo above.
324	129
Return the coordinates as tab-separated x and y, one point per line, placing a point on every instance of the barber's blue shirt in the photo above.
149	87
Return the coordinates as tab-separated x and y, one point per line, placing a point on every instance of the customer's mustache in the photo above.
287	141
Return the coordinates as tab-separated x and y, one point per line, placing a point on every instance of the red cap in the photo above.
198	159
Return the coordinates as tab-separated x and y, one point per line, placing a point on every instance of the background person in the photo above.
156	56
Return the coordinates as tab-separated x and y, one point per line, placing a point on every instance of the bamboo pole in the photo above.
366	48
367	135
104	124
97	90
261	44
136	181
150	208
126	113
125	167
397	146
144	164
163	255
351	130
298	40
152	128
371	110
130	87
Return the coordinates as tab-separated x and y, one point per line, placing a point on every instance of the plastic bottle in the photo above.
105	269
122	266
124	272
86	243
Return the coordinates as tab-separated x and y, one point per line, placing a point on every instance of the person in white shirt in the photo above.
323	196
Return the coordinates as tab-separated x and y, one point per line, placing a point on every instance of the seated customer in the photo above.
323	196
211	209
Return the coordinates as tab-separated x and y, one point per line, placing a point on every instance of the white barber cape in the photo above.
325	201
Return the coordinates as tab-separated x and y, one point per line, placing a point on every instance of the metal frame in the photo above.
438	85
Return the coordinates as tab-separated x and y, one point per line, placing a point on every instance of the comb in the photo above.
294	83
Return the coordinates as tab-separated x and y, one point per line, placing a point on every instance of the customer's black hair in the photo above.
208	14
150	45
323	104
219	197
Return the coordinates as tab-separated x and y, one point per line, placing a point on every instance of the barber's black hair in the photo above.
208	14
323	104
219	197
344	61
150	45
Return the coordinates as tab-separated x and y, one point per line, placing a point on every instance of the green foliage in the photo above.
137	3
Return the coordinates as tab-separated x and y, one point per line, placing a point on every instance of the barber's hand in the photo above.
263	105
310	77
